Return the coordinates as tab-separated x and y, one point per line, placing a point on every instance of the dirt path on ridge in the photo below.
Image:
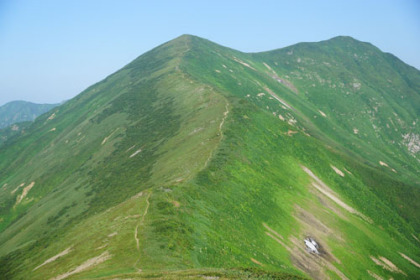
84	266
225	114
136	231
141	223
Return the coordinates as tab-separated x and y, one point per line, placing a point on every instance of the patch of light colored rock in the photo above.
135	153
412	142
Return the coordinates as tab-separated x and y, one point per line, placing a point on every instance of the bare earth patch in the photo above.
383	163
24	193
243	63
314	265
129	149
273	231
112	234
51	117
329	204
196	130
256	262
386	165
376	276
410	260
316	229
276	237
87	264
310	222
392	266
338	171
65	252
135	153
268	66
109	136
386	264
281	80
15	190
101	247
324	189
278	98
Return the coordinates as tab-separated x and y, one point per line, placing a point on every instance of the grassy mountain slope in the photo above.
198	161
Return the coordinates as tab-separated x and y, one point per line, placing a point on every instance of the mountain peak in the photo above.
198	156
347	41
184	38
344	38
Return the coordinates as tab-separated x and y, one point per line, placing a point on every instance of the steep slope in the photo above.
105	146
21	111
360	91
200	161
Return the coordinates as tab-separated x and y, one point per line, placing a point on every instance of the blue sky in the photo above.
52	50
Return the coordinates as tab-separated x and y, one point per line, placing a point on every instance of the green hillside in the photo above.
16	116
21	111
197	161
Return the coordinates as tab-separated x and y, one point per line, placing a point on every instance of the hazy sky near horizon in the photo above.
52	50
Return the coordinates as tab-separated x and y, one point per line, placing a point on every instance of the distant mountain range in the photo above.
21	111
197	161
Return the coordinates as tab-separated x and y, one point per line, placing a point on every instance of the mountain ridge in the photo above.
196	156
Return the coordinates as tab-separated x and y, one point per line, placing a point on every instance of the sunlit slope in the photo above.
360	92
315	88
198	161
104	146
